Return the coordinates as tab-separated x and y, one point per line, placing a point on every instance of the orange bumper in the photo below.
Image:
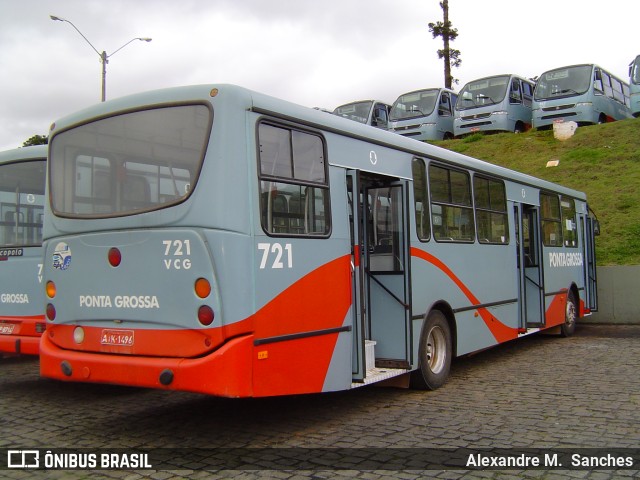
225	372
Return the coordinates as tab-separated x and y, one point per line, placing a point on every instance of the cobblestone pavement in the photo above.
539	392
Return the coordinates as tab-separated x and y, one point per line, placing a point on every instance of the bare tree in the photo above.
450	55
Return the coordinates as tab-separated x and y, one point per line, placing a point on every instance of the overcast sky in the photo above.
313	52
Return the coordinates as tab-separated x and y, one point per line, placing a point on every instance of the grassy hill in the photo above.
601	160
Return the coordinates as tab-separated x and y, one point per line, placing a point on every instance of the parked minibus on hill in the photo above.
501	103
424	114
586	94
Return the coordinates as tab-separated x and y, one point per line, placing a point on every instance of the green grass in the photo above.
601	160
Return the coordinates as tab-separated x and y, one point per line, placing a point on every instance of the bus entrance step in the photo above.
379	374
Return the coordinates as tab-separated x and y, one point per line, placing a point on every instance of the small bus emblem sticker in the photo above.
62	256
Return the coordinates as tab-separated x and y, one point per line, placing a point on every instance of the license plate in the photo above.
123	338
6	328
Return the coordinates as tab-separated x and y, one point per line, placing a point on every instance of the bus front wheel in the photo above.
435	352
570	316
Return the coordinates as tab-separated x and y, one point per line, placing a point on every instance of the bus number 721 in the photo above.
277	251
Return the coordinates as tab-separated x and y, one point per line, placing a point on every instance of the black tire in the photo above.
568	328
519	128
435	353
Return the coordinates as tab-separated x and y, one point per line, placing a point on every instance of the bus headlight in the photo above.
500	112
584	104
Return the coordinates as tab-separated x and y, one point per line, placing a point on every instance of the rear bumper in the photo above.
20	344
25	334
226	372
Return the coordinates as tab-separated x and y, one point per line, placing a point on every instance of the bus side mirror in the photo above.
596	228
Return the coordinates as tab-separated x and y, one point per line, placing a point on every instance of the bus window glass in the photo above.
491	211
527	94
486	91
414	104
551	228
515	96
309	157
275	151
452	215
387	229
290	159
21	203
569	226
421	200
563	82
128	163
357	111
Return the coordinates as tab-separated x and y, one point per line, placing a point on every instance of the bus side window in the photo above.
597	81
606	82
445	106
515	96
551	220
291	159
527	94
380	116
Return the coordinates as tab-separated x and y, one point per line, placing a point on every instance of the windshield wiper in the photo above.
566	90
484	97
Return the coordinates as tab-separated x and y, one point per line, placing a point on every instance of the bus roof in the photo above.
24	153
268	105
500	75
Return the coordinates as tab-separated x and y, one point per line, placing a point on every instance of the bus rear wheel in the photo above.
570	316
434	352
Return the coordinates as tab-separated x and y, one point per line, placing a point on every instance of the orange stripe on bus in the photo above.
499	330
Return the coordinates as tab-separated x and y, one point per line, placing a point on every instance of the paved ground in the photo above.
540	392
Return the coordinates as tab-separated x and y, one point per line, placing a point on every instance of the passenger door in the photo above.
530	275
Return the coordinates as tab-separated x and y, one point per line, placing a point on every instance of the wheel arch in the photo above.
447	311
573	288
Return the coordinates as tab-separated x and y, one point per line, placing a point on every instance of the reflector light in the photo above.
51	312
202	288
51	289
78	335
205	315
114	256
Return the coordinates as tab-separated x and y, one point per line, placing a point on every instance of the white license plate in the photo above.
6	328
122	338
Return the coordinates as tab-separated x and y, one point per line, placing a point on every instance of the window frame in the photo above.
451	204
312	186
574	231
426	201
490	210
547	220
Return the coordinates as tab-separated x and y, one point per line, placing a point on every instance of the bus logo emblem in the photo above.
62	256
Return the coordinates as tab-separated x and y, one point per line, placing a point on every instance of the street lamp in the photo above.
104	57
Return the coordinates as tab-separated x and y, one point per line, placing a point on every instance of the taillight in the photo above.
51	312
114	256
51	289
202	288
205	315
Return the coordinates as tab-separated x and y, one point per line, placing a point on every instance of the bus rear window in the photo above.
21	203
128	163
